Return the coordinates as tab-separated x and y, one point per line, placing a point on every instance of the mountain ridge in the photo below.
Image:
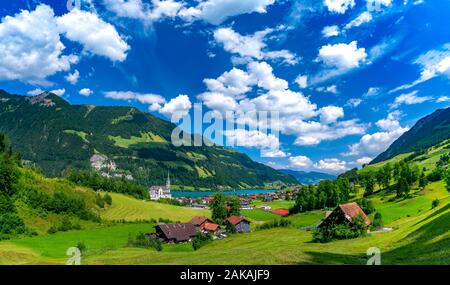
55	135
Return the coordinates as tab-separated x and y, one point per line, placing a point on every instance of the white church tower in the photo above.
161	192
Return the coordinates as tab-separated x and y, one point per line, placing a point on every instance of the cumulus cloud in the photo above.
30	47
364	160
331	164
443	99
217	11
38	91
153	100
177	107
250	47
300	161
339	6
302	81
58	92
330	31
353	102
342	56
409	99
72	78
373	144
96	36
331	114
85	92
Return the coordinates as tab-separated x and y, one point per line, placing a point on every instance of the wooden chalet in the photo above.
174	233
345	213
240	223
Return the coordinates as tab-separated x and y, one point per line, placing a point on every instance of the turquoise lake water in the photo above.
211	193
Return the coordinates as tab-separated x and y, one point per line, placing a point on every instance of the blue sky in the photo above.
347	77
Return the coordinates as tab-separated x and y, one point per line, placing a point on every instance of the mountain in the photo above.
308	178
121	141
427	132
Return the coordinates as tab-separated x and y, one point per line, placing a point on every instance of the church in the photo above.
161	192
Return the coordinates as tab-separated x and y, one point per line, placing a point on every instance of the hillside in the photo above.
427	132
48	131
308	178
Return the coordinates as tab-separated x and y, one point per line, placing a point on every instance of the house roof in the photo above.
178	232
282	212
352	210
198	220
210	227
234	220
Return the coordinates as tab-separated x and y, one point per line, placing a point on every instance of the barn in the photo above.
175	233
345	213
240	223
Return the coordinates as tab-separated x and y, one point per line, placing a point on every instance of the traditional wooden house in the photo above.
174	233
240	223
199	221
345	213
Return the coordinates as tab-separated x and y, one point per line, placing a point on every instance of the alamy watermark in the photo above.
374	256
75	256
251	129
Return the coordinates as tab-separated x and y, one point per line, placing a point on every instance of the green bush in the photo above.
282	223
335	231
81	246
52	230
435	203
142	241
201	239
367	206
108	199
377	221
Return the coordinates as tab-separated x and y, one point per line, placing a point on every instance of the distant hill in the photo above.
308	178
427	132
121	141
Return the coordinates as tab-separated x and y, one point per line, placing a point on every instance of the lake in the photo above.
211	193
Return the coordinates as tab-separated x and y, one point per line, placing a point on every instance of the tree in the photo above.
383	176
369	183
423	181
377	221
402	187
218	209
108	199
234	205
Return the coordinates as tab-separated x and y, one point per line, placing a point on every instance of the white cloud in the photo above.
376	5
85	92
329	89
363	18
409	99
364	160
443	99
253	139
372	92
263	73
339	6
96	36
374	144
434	63
251	46
330	31
30	47
302	81
353	102
146	12
300	161
72	78
153	100
233	83
342	56
58	92
217	11
177	107
331	164
35	92
331	114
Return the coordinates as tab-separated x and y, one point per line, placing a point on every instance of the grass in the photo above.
144	138
130	209
277	204
82	135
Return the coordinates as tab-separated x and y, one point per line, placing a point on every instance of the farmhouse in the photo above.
211	227
199	221
161	192
174	233
240	223
345	213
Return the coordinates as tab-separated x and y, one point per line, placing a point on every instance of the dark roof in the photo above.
352	210
198	220
234	220
178	232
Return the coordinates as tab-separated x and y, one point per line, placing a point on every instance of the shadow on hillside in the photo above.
435	213
421	249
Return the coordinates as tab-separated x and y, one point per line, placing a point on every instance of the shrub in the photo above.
435	203
81	246
66	225
108	199
201	240
99	201
52	230
367	206
11	224
282	223
335	231
377	221
142	241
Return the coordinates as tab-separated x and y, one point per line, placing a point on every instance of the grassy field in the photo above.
419	238
277	204
129	209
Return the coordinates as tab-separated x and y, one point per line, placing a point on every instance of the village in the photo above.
172	233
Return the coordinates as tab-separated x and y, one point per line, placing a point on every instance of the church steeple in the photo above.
168	180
